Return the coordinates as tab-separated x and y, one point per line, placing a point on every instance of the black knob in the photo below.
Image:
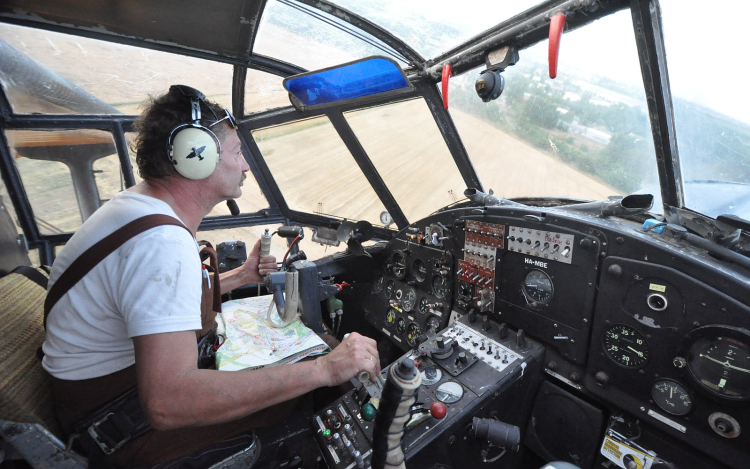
511	238
528	241
440	343
586	243
601	378
486	324
575	377
519	239
615	270
462	358
521	339
502	332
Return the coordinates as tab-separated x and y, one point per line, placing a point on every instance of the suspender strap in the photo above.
98	252
31	274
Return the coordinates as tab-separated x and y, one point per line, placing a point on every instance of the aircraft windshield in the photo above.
583	135
708	78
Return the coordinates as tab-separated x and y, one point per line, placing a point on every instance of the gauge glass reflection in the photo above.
671	397
538	286
440	287
449	392
409	300
626	346
721	365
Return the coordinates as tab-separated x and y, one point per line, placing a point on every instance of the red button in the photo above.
438	410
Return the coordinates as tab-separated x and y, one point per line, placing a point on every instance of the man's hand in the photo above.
356	353
255	268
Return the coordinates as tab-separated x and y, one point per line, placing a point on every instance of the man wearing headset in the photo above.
133	317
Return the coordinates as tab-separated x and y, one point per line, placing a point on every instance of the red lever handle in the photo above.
556	26
447	72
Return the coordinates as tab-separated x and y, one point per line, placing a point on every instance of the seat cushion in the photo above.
25	393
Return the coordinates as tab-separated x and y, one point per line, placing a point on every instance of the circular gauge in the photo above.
399	294
412	332
399	264
409	299
390	317
433	323
419	269
424	306
400	325
671	397
389	286
538	287
379	282
430	375
626	346
449	392
718	358
440	287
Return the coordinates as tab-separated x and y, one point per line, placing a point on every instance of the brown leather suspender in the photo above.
98	252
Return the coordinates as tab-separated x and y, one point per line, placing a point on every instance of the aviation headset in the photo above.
193	148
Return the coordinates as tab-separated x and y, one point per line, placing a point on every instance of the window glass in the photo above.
108	176
307	37
315	171
405	145
7	204
435	26
712	117
58	174
264	91
585	134
78	75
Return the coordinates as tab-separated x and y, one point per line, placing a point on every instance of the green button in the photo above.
327	432
368	412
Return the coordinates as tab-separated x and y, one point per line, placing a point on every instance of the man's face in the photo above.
231	169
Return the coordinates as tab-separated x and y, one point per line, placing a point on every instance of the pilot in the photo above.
134	316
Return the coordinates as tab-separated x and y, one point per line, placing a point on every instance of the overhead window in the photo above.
307	37
315	171
54	73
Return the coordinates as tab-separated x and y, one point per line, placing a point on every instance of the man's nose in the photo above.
245	166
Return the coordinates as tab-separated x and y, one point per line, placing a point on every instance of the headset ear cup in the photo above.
194	150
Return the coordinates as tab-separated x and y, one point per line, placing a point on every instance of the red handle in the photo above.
556	25
447	71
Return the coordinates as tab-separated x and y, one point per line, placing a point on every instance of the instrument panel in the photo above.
651	331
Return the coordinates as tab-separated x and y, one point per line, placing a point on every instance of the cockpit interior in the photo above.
526	201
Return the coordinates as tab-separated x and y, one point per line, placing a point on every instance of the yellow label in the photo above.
656	287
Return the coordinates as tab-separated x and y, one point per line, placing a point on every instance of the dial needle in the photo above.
640	354
726	364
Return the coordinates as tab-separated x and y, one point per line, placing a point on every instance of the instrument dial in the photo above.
671	397
538	287
433	323
400	325
430	375
379	283
398	266
419	269
390	317
440	287
449	392
412	332
424	306
626	346
409	300
721	363
389	287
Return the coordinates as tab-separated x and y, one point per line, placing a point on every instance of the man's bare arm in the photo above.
175	393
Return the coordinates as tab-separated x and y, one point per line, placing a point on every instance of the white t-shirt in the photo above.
150	285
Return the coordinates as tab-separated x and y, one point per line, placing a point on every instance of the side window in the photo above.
62	175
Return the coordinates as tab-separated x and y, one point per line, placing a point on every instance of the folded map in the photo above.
252	342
